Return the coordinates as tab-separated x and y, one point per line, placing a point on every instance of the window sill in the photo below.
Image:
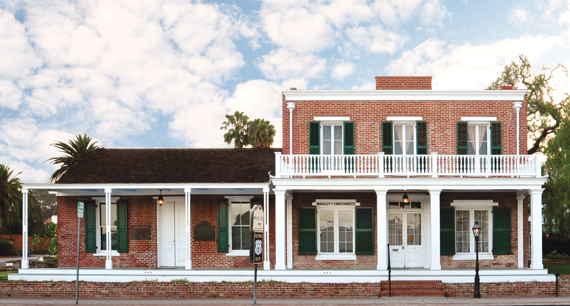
113	254
335	257
485	256
238	253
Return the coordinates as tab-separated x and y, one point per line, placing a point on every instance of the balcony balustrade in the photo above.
381	165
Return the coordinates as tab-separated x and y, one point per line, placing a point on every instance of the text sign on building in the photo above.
80	208
256	224
335	202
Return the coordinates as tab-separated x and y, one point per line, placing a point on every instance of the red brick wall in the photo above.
308	261
505	199
403	82
185	290
143	253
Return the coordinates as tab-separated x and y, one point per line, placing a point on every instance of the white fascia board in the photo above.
368	184
61	187
401	95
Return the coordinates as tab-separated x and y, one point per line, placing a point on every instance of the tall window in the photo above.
478	139
404	138
332	139
336	230
239	224
103	227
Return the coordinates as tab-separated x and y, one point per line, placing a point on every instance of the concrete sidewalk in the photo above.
325	301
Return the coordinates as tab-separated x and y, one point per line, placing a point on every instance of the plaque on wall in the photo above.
204	231
140	232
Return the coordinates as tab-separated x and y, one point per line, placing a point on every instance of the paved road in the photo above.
321	302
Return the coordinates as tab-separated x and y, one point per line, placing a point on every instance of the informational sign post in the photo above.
256	243
80	209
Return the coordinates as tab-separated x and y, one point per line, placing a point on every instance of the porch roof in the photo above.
147	166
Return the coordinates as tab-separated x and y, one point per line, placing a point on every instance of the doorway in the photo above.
172	233
405	239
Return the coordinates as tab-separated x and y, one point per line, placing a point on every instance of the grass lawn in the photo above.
564	269
4	274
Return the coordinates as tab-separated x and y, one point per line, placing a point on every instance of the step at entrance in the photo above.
412	288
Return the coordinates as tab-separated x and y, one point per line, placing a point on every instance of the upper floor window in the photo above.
479	138
404	137
331	137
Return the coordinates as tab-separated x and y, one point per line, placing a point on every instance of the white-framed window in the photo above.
239	235
404	138
101	225
466	213
332	142
336	230
478	139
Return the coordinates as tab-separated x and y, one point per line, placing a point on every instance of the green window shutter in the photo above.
462	138
421	137
122	227
223	232
496	138
314	137
387	137
307	231
364	231
501	230
348	138
447	230
90	226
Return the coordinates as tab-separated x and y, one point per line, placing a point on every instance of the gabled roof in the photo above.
106	166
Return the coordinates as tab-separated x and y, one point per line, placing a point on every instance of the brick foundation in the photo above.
180	290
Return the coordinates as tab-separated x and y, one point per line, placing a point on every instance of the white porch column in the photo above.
188	262
289	204
434	226
536	229
280	231
381	229
520	233
25	261
266	257
109	259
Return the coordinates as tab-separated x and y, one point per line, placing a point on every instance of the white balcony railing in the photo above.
433	165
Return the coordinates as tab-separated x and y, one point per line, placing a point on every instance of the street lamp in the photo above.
477	233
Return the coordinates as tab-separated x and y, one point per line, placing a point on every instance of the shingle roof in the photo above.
173	166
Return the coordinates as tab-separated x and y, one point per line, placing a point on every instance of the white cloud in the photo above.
469	66
375	39
342	70
564	18
257	99
519	16
433	12
396	12
285	64
17	55
10	94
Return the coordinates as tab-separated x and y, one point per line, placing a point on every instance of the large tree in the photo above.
236	125
74	151
261	133
549	130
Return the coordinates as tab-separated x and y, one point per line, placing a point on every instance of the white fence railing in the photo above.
433	165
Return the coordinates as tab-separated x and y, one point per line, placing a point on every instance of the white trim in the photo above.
404	118
238	253
101	254
331	118
335	257
478	119
404	95
471	256
474	204
238	198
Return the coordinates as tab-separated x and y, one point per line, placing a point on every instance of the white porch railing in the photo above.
433	165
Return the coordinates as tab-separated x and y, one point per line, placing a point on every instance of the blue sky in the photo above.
147	74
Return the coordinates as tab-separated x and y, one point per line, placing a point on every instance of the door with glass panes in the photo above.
405	239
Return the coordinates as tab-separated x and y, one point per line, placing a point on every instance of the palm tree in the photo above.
237	124
10	195
75	150
261	133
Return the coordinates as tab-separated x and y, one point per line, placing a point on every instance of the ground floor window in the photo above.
239	220
336	230
464	238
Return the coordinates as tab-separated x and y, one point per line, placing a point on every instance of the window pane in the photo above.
326	222
114	215
103	214
236	237
395	229
462	231
103	226
398	139
414	229
338	132
326	132
483	217
472	147
345	231
240	225
483	140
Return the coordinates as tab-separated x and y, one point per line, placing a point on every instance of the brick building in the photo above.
367	181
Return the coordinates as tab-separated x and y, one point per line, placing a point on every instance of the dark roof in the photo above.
173	166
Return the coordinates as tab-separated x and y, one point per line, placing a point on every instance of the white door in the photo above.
172	238
405	239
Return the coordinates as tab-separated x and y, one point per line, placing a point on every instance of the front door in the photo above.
405	239
172	234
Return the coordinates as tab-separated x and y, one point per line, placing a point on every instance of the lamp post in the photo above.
476	233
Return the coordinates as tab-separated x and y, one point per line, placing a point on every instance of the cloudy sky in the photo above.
149	73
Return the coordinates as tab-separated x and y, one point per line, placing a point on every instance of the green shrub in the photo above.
6	247
53	245
555	255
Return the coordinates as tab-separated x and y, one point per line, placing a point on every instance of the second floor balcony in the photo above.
384	165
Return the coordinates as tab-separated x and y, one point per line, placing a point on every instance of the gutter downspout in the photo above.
518	106
290	107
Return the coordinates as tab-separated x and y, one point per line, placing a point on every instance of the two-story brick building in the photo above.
367	181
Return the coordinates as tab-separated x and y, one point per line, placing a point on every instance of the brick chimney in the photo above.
403	83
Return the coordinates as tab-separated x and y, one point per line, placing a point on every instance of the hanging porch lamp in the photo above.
405	199
160	198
